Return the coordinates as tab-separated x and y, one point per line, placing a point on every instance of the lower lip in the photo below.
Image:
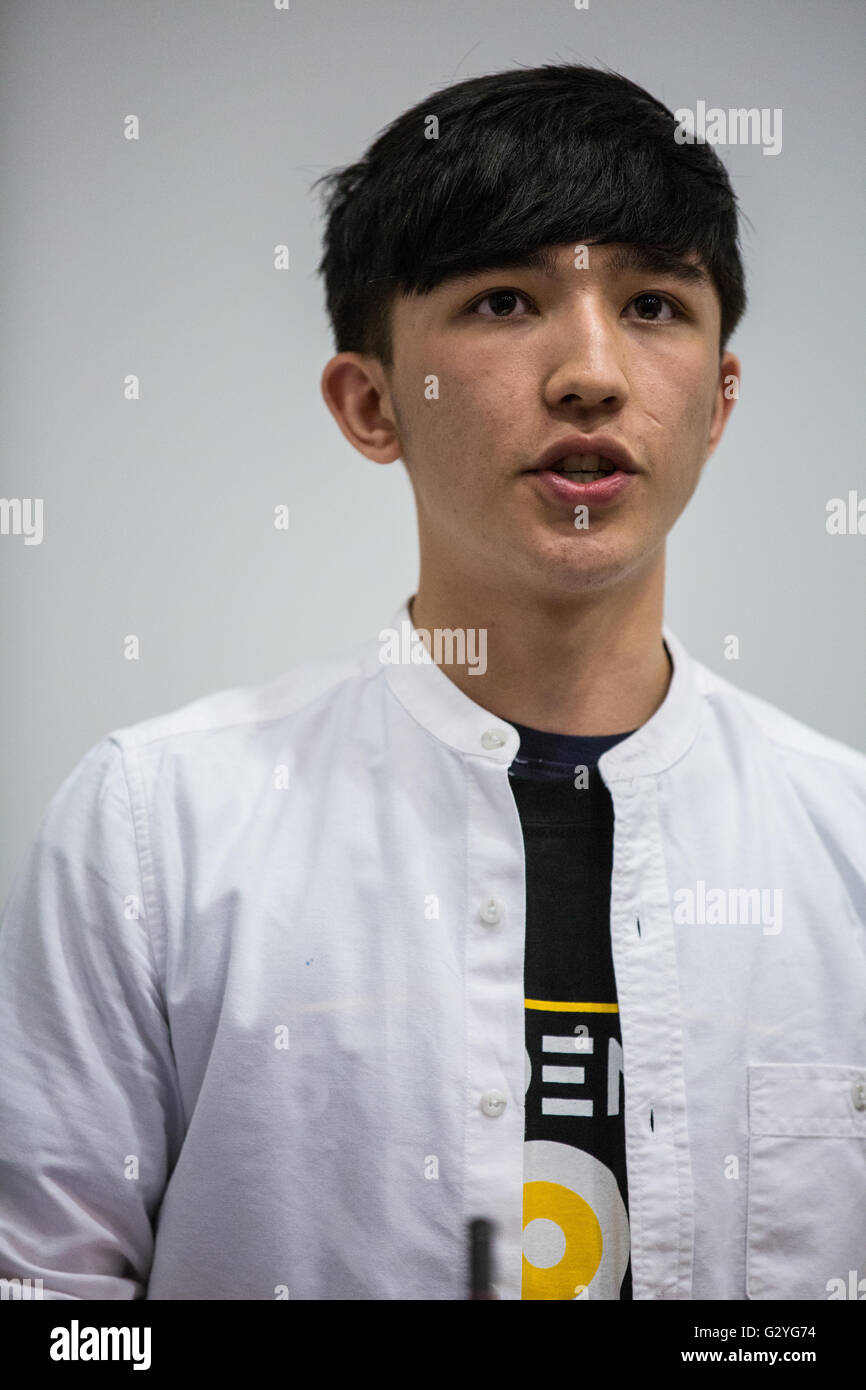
561	489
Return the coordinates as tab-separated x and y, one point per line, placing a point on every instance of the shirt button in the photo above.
492	738
493	1103
491	911
858	1095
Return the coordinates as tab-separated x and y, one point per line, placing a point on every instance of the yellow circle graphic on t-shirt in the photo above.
575	1225
579	1225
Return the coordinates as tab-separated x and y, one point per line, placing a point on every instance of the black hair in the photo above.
524	159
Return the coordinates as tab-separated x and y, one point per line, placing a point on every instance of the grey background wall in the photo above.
155	257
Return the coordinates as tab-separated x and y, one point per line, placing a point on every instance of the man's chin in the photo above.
579	567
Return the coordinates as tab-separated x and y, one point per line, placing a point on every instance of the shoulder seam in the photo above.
138	818
841	756
127	735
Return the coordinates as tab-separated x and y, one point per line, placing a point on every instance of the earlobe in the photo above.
352	388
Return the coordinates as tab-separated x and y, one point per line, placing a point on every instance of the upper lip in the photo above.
600	444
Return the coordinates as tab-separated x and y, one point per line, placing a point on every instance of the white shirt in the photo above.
262	1035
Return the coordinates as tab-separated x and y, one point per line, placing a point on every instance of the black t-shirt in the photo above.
575	1192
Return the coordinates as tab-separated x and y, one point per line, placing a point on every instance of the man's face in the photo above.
524	359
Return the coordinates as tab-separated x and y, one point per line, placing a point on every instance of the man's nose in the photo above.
587	368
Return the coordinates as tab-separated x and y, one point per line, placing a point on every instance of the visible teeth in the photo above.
584	468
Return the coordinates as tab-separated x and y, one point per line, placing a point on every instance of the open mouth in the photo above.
583	468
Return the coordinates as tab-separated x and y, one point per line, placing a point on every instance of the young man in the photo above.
549	925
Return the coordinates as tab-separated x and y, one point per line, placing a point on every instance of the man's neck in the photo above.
593	665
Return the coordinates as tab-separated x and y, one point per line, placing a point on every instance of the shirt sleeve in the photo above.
91	1118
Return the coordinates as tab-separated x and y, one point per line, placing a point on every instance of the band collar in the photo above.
442	708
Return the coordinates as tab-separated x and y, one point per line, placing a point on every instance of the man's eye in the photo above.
650	308
502	303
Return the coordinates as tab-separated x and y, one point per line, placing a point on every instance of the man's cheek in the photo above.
482	392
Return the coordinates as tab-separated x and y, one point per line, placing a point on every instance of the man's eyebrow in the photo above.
648	259
544	260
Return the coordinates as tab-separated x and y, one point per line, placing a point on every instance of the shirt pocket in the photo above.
806	1223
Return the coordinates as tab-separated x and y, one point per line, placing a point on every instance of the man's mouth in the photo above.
585	458
583	468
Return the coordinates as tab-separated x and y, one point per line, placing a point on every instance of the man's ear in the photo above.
355	391
727	393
